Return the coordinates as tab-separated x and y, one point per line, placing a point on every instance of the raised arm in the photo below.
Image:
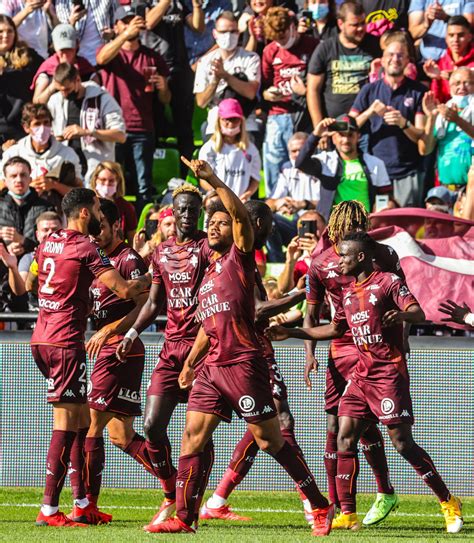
241	225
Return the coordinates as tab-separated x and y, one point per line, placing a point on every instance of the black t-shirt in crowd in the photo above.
396	11
74	117
167	38
346	71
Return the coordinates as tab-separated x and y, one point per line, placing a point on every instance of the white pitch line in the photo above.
257	510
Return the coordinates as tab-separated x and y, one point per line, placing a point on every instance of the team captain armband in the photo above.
34	268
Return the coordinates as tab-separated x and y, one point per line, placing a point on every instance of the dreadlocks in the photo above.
347	216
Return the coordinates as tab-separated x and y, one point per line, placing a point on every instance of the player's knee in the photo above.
286	420
402	446
346	443
153	430
118	441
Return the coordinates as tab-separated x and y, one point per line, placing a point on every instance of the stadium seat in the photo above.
141	220
199	116
165	166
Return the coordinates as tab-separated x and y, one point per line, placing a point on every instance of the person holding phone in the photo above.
345	173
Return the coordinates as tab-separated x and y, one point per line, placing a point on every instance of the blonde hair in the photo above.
116	169
218	138
19	56
183	189
345	217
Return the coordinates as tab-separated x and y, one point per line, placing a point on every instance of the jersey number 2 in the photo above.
49	267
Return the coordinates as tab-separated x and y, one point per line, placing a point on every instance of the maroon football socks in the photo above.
56	465
346	480
188	483
372	446
76	472
330	463
94	464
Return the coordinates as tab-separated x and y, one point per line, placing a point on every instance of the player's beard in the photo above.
220	246
94	226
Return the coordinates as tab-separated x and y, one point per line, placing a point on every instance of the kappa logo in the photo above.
276	390
348	302
69	393
331	266
387	405
100	401
267	409
373	299
332	274
131	256
395	277
405	413
163	259
276	61
246	403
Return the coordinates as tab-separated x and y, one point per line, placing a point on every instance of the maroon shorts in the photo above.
386	401
115	386
337	374
279	390
65	370
164	379
243	387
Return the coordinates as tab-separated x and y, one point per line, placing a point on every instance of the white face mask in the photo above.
227	40
228	131
292	162
40	134
106	191
291	40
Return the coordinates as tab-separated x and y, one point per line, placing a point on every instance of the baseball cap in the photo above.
229	109
64	36
344	123
121	12
442	193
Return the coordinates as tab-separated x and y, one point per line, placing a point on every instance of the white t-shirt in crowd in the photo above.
296	185
241	62
234	166
33	30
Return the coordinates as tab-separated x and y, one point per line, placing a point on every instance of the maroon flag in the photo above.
436	251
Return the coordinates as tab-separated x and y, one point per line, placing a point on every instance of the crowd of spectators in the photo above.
304	103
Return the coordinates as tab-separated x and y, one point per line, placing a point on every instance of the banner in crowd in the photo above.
436	251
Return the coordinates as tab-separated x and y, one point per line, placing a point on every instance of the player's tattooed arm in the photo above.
327	331
123	288
241	225
412	314
311	319
146	316
120	326
198	351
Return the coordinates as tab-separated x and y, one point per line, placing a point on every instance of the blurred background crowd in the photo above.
300	103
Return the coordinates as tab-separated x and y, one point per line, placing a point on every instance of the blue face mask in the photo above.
319	11
461	101
19	196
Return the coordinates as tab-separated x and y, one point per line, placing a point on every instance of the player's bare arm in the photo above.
120	326
265	309
198	351
241	224
412	314
123	288
327	331
311	319
146	316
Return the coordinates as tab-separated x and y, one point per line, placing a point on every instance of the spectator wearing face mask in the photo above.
108	182
451	126
227	72
48	158
284	66
231	155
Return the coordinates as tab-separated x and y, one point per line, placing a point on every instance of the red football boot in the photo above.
57	520
171	526
89	515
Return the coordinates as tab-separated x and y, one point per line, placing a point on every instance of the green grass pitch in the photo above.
276	517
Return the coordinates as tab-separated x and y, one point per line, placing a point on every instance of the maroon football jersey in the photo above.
381	351
262	324
179	268
68	261
227	308
325	276
107	306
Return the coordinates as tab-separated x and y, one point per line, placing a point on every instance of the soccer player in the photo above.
68	261
114	387
373	308
324	277
178	268
234	376
246	450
